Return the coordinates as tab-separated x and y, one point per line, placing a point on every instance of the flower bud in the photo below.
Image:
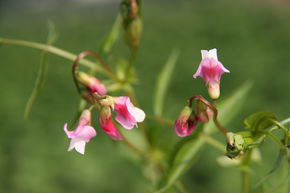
93	84
108	101
185	123
203	112
132	22
85	118
107	125
235	145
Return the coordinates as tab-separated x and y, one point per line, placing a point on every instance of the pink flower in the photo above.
127	114
185	123
210	69
107	125
93	84
110	129
82	134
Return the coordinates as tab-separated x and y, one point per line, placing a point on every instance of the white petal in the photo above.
204	54
78	144
138	114
213	53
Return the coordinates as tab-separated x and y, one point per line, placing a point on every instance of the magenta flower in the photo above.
110	129
82	134
210	69
127	114
107	125
185	123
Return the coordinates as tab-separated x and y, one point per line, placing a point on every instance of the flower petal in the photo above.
70	134
86	133
126	122
213	54
78	145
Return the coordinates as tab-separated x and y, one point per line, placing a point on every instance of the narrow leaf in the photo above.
184	157
52	35
112	36
163	83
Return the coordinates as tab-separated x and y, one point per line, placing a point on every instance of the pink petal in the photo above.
110	129
127	122
123	106
69	134
86	133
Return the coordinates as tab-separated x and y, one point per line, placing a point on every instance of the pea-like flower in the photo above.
82	134
185	123
127	114
211	69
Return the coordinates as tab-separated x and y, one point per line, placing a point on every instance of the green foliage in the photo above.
278	179
41	75
112	37
186	153
260	121
162	84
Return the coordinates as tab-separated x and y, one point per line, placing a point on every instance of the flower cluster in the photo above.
126	114
210	69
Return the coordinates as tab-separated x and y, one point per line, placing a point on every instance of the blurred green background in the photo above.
253	42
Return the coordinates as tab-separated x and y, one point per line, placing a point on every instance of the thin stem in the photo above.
51	49
214	109
283	128
245	181
213	142
161	120
181	187
245	186
60	52
276	139
284	122
131	146
131	62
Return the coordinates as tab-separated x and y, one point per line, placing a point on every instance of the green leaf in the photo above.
277	179
185	154
163	83
260	121
52	36
112	36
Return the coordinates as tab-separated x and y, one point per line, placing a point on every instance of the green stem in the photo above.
56	51
245	181
181	187
245	173
276	139
213	108
131	62
283	128
213	142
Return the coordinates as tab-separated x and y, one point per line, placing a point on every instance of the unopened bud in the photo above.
185	123
235	145
132	22
203	112
85	118
93	84
105	115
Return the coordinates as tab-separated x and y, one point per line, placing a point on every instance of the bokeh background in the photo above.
253	41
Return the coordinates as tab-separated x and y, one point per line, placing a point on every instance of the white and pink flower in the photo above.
82	134
211	69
